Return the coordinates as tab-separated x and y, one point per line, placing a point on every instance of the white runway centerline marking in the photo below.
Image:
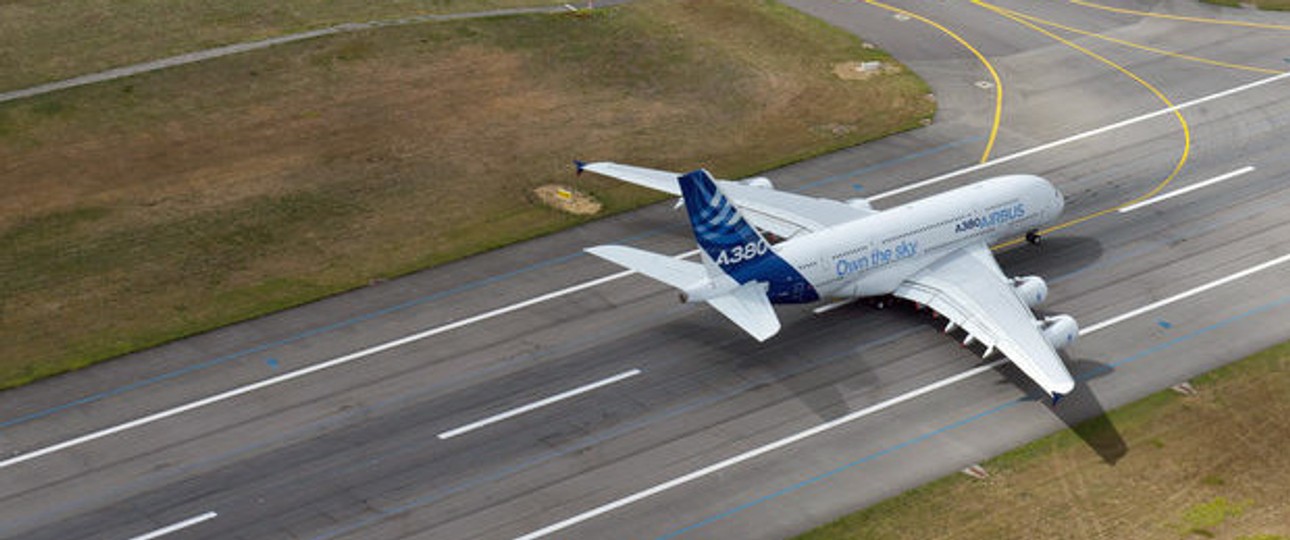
314	368
878	407
1188	189
538	404
177	527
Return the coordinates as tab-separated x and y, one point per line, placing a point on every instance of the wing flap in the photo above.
968	288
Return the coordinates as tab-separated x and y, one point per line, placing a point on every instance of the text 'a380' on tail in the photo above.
738	268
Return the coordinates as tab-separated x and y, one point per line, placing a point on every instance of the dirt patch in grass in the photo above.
1207	466
859	71
142	210
567	199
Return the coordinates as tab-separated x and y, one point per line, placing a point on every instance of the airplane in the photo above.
760	246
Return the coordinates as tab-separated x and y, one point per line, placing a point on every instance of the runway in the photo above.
538	392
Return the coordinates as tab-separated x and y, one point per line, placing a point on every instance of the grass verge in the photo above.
143	210
46	41
1205	466
1270	5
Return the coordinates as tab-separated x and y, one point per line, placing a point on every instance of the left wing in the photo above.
968	287
784	214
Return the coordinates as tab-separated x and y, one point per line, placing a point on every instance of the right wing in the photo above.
781	213
968	287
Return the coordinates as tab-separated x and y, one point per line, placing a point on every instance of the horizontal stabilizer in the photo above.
675	272
745	305
748	307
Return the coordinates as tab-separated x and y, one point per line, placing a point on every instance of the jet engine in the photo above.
1059	330
758	181
1030	289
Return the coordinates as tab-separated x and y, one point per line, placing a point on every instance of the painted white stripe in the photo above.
758	451
177	527
538	404
1080	136
556	294
1186	294
762	450
1188	189
313	369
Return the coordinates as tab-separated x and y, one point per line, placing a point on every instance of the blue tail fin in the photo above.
734	245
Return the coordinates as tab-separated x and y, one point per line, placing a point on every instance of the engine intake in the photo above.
1032	290
1060	330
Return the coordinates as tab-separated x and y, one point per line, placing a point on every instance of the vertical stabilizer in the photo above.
734	246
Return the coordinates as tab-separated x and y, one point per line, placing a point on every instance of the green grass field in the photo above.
1271	5
146	209
1212	465
45	41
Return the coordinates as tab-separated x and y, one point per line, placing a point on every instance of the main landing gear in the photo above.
1033	237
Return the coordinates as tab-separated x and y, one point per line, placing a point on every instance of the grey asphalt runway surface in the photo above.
715	436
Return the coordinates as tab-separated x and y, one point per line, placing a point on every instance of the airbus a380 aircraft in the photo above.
934	251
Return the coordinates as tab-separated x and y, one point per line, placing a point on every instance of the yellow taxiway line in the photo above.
1138	46
1203	20
1182	159
998	84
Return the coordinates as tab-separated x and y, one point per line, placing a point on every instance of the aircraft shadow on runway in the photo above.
1081	411
806	359
1053	258
834	372
799	358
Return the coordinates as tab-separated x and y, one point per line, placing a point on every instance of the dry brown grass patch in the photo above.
217	191
1208	466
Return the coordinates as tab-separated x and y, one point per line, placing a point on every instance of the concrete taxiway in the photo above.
535	391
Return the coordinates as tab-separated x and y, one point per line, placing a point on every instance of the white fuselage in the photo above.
871	256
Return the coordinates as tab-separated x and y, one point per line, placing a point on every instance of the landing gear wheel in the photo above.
1033	237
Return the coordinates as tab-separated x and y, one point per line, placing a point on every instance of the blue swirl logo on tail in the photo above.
737	248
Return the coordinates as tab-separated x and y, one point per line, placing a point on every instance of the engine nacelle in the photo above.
1030	289
1060	330
758	181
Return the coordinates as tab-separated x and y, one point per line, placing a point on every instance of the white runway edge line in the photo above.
177	527
762	450
538	404
1189	189
562	292
1079	137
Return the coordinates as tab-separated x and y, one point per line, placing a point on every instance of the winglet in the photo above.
580	166
1057	397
